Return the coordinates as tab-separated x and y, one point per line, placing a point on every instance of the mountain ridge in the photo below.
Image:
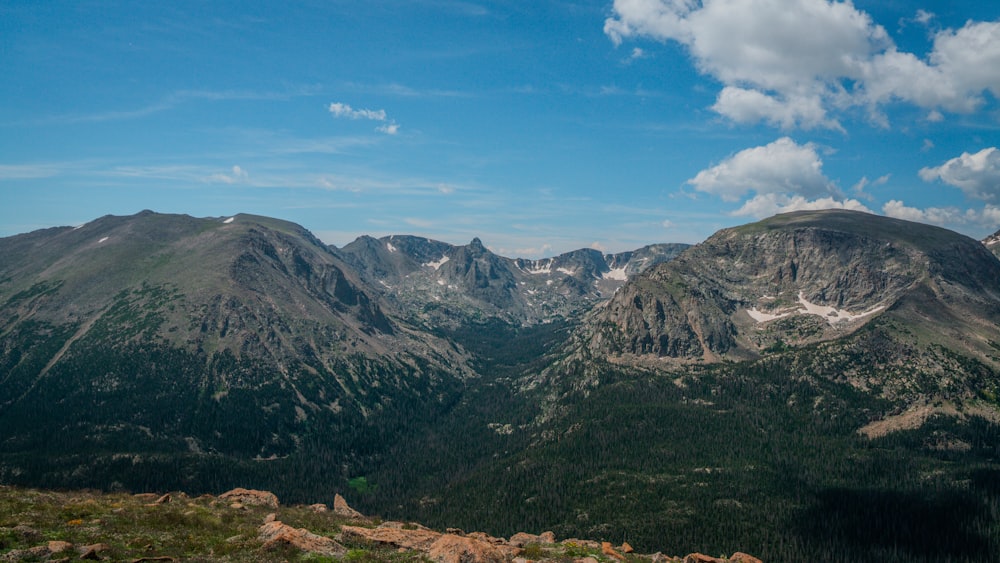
443	284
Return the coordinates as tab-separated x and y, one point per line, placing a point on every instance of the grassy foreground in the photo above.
38	525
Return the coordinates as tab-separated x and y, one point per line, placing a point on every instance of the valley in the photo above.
816	386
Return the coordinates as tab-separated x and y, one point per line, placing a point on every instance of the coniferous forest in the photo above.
748	456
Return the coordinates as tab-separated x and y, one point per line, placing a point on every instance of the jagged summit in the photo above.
439	283
992	242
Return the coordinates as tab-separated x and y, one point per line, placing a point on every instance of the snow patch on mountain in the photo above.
831	314
437	265
539	268
617	274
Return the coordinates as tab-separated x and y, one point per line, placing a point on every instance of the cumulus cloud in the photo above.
977	175
801	62
341	110
766	205
987	218
783	166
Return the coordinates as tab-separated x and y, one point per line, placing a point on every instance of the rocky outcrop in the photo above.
450	548
443	548
522	539
276	534
992	242
737	557
391	535
341	508
250	497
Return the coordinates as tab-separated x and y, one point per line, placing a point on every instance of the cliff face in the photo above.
437	284
797	279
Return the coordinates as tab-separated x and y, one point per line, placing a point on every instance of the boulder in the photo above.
93	551
277	534
419	540
740	557
606	549
481	536
450	548
31	554
319	507
250	497
59	546
702	558
341	508
626	548
547	537
163	500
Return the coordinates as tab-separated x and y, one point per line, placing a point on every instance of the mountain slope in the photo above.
445	285
802	278
900	311
241	337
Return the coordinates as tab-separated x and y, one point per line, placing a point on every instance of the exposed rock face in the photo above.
444	548
251	497
442	283
522	539
277	534
737	557
341	508
420	540
992	242
450	548
790	280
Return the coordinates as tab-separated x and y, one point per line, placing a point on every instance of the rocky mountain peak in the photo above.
792	279
992	242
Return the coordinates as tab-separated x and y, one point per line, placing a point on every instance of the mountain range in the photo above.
441	381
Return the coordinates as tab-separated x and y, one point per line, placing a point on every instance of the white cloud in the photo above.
977	175
766	205
341	110
796	63
924	17
744	105
783	167
986	219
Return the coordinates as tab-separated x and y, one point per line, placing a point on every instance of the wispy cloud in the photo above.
236	175
342	110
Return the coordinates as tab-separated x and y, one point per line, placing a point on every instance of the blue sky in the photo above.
540	127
